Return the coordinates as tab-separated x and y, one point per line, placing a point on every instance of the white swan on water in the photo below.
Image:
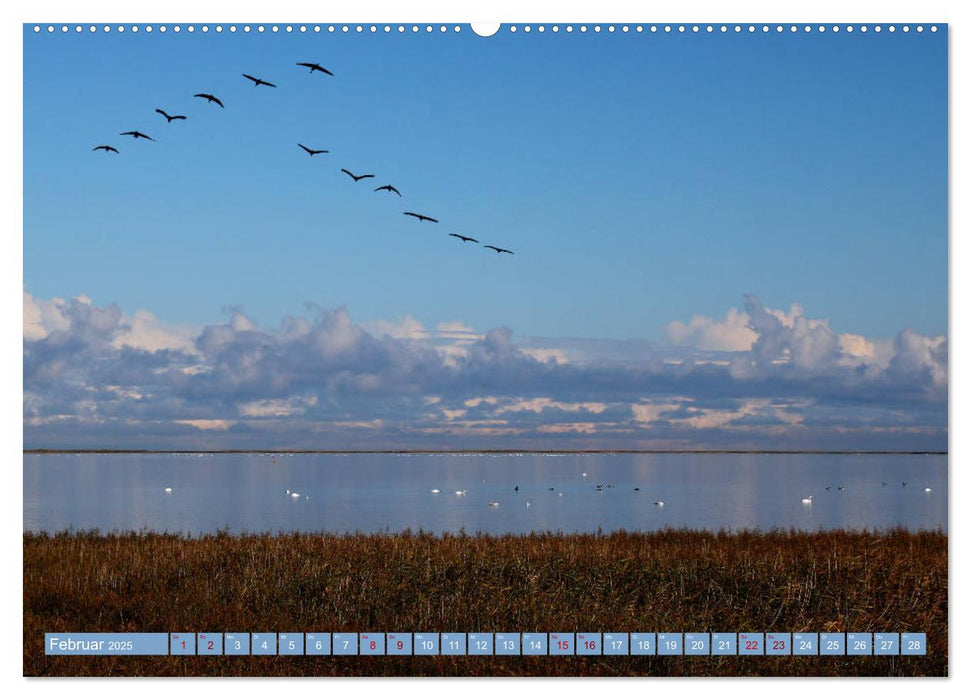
435	491
808	501
168	489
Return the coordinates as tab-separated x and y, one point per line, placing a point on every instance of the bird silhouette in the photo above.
210	98
499	250
421	217
316	66
464	239
311	151
389	188
257	81
356	177
106	149
169	117
136	135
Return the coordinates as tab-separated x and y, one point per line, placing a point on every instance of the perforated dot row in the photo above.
246	28
513	29
723	28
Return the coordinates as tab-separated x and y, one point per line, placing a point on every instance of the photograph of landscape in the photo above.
573	328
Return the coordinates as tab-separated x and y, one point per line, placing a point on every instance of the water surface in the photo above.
392	492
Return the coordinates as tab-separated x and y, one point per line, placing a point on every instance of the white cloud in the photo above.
145	332
917	356
277	408
538	405
406	328
650	411
208	423
97	368
41	316
554	355
706	418
732	334
857	346
456	330
474	402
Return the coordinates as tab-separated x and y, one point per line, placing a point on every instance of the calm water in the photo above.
377	492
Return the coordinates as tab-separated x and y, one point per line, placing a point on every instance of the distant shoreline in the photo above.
45	451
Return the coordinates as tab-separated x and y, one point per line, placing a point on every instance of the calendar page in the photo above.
522	349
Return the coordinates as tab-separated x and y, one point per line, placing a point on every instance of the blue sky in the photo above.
639	178
642	180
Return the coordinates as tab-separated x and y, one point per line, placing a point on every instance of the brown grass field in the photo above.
674	581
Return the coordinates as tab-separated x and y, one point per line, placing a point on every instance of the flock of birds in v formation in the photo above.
314	67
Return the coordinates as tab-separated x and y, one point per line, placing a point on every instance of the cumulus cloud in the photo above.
731	334
919	359
94	375
808	344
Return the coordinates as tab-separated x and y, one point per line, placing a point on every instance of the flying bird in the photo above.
421	217
356	177
136	135
389	188
316	66
169	117
499	250
210	98
257	81
311	151
106	149
464	239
